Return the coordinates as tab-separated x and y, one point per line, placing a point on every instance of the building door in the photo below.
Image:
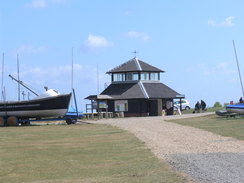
155	107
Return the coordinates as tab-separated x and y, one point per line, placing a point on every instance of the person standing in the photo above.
203	105
197	107
241	100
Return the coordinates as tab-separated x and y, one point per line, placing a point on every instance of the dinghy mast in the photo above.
2	89
238	68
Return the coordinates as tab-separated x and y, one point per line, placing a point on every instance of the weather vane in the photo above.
135	52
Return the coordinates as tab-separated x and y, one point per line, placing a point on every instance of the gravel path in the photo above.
203	156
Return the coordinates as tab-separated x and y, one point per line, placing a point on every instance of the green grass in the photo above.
229	127
78	153
210	109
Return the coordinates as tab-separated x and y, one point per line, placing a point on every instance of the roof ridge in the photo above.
144	91
138	65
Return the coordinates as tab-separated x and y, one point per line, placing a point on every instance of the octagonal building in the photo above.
136	90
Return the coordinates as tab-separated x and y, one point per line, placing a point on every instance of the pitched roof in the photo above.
139	90
135	65
159	90
123	91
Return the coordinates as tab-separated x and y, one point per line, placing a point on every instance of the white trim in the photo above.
143	89
138	64
36	113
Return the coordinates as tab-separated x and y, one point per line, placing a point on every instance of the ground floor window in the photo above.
121	105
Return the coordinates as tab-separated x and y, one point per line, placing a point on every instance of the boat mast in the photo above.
2	92
72	69
237	62
72	82
72	74
97	80
18	77
24	85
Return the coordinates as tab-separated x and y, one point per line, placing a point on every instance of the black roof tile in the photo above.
135	65
151	90
159	90
123	91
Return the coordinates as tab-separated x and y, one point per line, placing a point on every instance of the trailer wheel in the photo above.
26	123
74	121
12	121
69	121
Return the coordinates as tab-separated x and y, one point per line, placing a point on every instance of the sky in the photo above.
191	40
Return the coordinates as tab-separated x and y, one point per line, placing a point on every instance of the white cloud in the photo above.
37	4
43	3
51	76
31	49
95	42
228	22
137	35
59	77
222	68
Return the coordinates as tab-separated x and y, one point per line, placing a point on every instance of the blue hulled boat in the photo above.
236	108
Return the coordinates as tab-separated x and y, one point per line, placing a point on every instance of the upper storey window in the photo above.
119	77
154	76
145	76
135	76
132	76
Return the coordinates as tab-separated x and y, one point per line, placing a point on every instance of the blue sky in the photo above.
191	40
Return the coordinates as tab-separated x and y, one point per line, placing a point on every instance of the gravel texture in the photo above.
203	156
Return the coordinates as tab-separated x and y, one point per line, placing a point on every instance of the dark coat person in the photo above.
203	105
197	106
241	100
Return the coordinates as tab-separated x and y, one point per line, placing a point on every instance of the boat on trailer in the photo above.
50	104
232	110
236	108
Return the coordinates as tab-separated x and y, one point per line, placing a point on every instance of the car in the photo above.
185	104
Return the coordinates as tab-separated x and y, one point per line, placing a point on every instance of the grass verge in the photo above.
210	109
78	153
230	127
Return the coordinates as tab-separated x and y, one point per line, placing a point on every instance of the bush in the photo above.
225	104
218	104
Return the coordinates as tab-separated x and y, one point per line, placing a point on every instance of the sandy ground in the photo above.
202	155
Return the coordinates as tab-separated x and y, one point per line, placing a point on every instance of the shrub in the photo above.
218	104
